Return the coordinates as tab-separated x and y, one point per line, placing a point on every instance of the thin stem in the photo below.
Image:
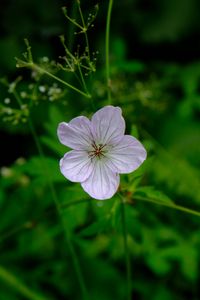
72	20
58	207
17	98
107	48
41	153
15	230
85	87
170	205
84	29
36	67
71	34
126	250
87	51
30	224
77	62
82	78
76	264
65	226
19	286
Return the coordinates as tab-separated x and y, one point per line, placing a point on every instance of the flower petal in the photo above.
76	134
127	155
102	183
108	125
76	165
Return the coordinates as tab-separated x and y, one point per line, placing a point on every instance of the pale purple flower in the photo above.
100	152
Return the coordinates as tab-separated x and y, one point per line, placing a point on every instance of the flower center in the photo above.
98	150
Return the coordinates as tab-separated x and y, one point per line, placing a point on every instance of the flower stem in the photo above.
82	79
17	98
107	48
41	70
29	224
58	207
84	29
170	205
126	250
85	87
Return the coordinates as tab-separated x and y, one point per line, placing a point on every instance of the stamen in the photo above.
98	150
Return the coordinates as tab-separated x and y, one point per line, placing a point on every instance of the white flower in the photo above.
100	152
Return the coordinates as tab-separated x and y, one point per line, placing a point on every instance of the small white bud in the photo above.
6	172
23	94
7	100
45	59
42	88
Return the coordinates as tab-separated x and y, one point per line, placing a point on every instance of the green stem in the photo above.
72	20
15	230
17	98
170	205
41	70
71	27
126	250
84	29
41	153
29	224
19	286
76	265
85	87
107	48
58	207
82	78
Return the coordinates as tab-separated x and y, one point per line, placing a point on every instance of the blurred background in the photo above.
155	72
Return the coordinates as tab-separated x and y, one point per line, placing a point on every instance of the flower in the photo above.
100	152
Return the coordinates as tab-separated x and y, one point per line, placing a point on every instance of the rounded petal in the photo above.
102	183
76	165
127	155
108	125
76	134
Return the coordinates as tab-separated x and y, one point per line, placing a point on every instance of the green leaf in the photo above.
43	169
51	139
158	264
189	263
54	145
97	227
134	131
150	193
